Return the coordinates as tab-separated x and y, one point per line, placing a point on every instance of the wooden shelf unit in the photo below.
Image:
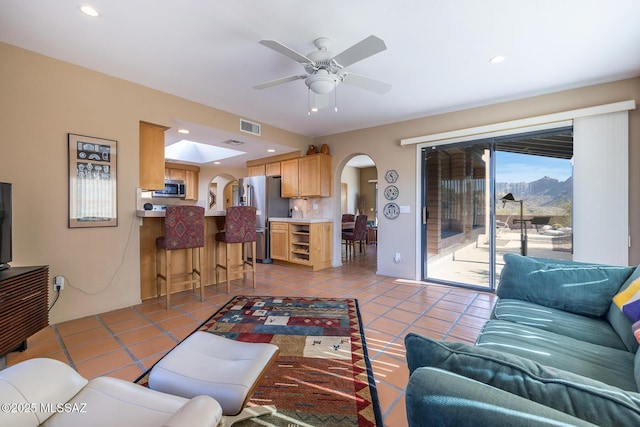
301	244
24	305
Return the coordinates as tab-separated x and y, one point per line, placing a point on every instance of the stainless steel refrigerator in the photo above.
263	192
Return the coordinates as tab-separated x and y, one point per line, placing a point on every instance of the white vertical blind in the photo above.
601	188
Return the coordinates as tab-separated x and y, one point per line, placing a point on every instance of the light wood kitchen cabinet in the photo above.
272	169
257	170
151	149
279	238
289	173
188	174
306	245
314	176
308	176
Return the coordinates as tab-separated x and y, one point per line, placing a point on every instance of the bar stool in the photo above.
240	227
183	229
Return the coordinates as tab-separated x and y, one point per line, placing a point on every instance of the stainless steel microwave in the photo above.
172	188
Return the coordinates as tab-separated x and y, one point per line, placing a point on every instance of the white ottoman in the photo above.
208	364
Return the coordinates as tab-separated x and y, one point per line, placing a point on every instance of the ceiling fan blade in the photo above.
367	83
361	50
279	81
286	51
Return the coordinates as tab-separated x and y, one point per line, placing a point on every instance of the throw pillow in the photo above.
576	287
619	321
629	301
582	397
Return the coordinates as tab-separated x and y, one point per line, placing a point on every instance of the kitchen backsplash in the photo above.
320	207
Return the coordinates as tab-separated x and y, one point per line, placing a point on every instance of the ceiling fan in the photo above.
324	70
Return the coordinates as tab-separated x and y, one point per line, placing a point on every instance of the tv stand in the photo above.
24	300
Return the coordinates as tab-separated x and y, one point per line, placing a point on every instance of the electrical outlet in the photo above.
58	283
397	258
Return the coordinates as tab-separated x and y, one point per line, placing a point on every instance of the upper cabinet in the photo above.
257	170
308	176
289	173
314	175
272	169
151	148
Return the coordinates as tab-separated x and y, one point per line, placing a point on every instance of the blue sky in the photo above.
511	167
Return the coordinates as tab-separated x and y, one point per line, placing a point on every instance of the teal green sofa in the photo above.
557	351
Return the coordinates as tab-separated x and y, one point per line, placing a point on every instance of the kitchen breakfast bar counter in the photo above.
153	226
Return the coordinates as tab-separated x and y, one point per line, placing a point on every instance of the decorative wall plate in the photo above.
391	210
391	192
391	176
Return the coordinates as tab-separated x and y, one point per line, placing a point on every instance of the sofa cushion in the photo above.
575	287
621	323
436	397
609	365
579	396
590	329
636	369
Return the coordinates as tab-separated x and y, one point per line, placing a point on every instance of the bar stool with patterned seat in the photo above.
240	227
184	229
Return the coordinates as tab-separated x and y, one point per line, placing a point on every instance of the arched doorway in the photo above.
359	196
221	192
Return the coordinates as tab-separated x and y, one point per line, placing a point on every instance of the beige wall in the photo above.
382	144
368	190
43	100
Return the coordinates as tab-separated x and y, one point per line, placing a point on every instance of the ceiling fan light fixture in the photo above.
322	82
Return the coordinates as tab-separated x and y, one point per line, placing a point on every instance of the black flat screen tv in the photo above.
5	225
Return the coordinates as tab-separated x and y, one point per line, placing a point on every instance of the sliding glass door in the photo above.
485	198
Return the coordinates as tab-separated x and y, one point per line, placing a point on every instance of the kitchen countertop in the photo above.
161	214
300	220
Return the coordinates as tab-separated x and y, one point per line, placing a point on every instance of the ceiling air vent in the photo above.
232	142
249	127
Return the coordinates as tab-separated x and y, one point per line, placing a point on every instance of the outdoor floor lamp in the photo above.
523	230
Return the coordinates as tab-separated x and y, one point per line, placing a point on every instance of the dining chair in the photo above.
359	234
348	217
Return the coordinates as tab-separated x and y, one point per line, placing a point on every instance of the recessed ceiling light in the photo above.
497	59
216	163
90	11
185	131
271	150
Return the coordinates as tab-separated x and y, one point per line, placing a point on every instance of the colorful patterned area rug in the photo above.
322	376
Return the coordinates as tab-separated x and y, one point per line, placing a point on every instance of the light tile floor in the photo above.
125	343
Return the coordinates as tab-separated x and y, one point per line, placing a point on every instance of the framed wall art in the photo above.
93	185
